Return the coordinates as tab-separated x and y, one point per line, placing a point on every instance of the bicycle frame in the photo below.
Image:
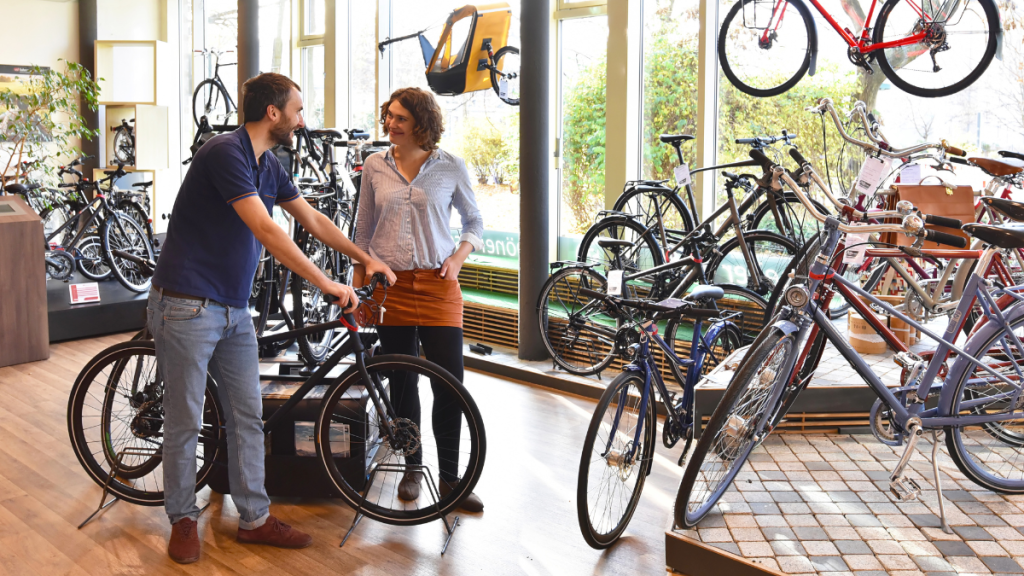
862	44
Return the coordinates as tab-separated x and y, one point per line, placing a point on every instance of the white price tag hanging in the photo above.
910	174
502	87
856	247
615	282
872	172
682	174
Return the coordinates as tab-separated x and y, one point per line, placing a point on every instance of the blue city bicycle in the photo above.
620	442
979	404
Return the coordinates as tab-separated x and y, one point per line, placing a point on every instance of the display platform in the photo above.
119	310
816	504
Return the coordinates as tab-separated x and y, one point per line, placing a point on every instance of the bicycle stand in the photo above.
938	481
117	468
431	488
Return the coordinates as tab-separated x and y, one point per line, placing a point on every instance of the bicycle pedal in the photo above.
904	488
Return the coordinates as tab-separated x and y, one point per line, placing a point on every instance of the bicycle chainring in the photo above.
882	425
859	59
65	265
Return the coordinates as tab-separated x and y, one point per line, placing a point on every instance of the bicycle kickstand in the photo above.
938	481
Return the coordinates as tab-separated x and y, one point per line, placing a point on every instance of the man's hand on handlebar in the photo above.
378	267
345	294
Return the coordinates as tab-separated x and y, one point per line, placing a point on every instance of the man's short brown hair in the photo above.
264	90
425	111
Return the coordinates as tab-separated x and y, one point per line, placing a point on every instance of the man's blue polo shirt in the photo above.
209	251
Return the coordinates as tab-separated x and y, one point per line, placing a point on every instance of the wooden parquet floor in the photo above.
529	488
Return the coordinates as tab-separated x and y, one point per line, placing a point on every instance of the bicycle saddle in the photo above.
1011	154
143	184
308	180
1006	167
706	293
1008	236
1012	209
613	243
326	132
673	138
21	188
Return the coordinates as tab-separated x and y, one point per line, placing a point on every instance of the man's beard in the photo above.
282	134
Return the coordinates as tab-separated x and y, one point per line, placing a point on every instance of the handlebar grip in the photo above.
947	239
942	221
954	150
796	155
746	140
761	159
956	160
381	143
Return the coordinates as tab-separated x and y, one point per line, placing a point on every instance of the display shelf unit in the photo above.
128	72
150	128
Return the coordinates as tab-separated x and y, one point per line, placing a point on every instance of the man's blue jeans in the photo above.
192	338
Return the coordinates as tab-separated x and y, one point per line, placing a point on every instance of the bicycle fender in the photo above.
961	365
786	327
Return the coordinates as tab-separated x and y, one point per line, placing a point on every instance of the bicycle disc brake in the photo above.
406	440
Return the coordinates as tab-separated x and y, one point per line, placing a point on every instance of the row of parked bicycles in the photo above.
752	299
88	223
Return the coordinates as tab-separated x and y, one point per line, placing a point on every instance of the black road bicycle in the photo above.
211	98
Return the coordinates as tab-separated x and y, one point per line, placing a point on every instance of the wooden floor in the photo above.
529	488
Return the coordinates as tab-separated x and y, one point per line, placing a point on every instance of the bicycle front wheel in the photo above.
765	47
506	81
617	456
210	100
116	410
436	429
958	44
92	261
989	452
578	331
770	254
734	429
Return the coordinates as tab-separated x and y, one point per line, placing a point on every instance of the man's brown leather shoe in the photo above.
184	545
275	533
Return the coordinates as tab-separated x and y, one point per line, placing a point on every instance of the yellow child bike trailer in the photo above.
484	61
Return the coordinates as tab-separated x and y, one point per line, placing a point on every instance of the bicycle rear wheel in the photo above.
641	251
124	234
116	404
650	203
679	337
964	40
770	253
578	331
210	100
308	304
734	429
614	466
92	262
437	426
507	61
793	221
764	47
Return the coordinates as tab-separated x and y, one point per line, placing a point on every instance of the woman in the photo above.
405	204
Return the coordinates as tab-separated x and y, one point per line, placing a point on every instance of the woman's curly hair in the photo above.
425	111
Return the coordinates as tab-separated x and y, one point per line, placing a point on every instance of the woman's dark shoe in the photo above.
409	487
471	503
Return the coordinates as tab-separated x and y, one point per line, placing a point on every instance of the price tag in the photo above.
872	172
615	282
855	256
502	87
910	174
86	292
682	174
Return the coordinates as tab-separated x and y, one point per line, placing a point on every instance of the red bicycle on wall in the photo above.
927	48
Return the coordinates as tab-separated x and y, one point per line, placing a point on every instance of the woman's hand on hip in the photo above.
452	266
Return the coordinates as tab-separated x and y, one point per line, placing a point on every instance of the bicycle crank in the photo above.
903	487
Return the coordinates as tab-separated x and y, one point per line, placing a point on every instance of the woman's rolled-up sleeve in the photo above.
464	200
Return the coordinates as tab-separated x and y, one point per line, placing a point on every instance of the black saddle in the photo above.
1008	236
706	293
1012	209
308	180
327	133
613	243
143	184
674	138
21	188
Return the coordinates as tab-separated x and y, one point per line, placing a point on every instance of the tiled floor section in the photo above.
820	504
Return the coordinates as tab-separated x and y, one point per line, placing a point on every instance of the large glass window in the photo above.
479	128
315	17
583	73
275	36
363	56
313	86
220	32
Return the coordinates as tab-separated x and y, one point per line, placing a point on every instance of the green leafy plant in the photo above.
46	120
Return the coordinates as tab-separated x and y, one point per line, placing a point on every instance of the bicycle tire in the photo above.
604	462
677	218
122	233
728	340
124	146
513	84
215	93
308	303
963	373
764	219
644	254
383	492
53	218
748	37
907	21
93	263
580	350
771	254
91	440
750	414
135	211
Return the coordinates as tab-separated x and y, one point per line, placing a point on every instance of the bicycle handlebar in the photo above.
944	238
363	293
943	221
876	145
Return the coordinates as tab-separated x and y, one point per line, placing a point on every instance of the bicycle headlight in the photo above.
797	296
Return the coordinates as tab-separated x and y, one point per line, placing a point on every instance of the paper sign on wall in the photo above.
85	292
682	174
872	172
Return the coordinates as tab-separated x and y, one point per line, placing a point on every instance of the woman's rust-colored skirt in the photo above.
422	298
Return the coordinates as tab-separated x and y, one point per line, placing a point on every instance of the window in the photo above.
363	57
275	36
313	86
582	65
314	17
220	32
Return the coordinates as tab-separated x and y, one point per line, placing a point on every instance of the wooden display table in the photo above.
24	332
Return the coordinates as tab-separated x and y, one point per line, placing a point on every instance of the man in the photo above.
198	308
